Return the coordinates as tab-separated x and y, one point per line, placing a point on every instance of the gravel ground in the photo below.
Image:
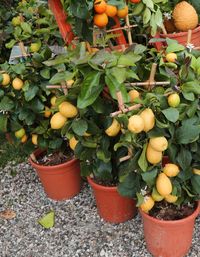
78	230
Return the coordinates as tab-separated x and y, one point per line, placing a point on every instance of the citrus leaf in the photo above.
142	162
48	220
172	114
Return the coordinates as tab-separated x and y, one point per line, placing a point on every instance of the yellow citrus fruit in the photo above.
100	6
53	100
153	156
171	170
70	82
57	121
111	10
24	139
35	47
6	79
149	119
163	185
171	198
68	110
122	13
133	94
100	20
17	83
196	171
148	204
47	112
16	21
171	57
114	128
158	143
173	100
135	124
72	143
20	133
156	196
34	139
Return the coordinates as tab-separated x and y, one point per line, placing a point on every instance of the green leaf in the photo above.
146	15
150	177
6	104
45	73
142	162
172	114
129	185
173	46
158	17
31	93
196	184
10	44
60	77
119	74
55	143
3	123
149	4
18	68
140	199
184	158
191	87
128	59
90	89
48	220
79	127
187	133
192	108
26	27
188	96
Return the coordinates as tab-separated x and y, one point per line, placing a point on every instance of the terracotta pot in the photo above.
61	181
169	238
112	207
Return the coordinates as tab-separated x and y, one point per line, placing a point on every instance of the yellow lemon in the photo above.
158	143
163	185
70	82
153	156
24	138
17	83
171	170
47	112
35	139
114	129
20	133
173	100
156	196
148	204
133	94
67	109
6	79
171	198
171	57
72	143
135	124
53	100
196	171
149	119
57	121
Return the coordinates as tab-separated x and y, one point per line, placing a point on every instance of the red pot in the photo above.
169	238
61	181
112	207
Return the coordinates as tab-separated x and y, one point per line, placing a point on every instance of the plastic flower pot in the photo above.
169	238
60	182
111	206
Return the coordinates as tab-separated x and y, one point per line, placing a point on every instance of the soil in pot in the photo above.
61	181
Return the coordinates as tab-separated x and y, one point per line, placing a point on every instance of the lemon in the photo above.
35	47
17	83
6	79
133	94
135	124
171	57
171	198
70	82
20	133
196	171
171	170
35	139
24	138
53	100
156	196
148	204
173	100
163	185
149	119
72	143
158	143
153	156
114	129
57	121
68	110
47	112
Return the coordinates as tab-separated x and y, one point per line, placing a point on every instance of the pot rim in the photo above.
179	34
38	151
171	222
101	187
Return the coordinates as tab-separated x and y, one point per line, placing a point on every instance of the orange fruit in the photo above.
122	13
111	10
100	20
100	6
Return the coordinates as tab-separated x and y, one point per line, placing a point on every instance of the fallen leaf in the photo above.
7	214
47	221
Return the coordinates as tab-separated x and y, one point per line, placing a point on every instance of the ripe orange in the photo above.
111	10
122	13
135	1
100	6
100	20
